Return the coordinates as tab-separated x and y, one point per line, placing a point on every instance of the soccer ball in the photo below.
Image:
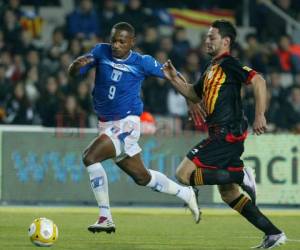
43	232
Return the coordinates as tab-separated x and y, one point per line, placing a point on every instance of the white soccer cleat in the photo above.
103	224
271	241
249	184
193	205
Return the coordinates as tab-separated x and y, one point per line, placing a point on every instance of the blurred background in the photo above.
38	41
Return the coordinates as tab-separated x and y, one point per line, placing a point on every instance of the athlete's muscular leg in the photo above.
190	174
157	181
135	168
185	170
229	192
100	149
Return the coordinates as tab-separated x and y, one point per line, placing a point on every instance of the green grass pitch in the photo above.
144	229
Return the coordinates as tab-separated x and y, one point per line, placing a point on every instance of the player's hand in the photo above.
259	125
169	70
197	113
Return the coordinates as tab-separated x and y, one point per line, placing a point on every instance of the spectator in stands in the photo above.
18	108
109	15
48	103
275	87
75	48
54	49
63	83
7	60
137	14
176	104
84	97
11	30
18	68
286	6
32	84
285	55
64	61
26	43
155	92
265	22
71	115
192	65
83	23
166	45
181	43
273	114
290	112
33	59
3	45
5	86
58	44
149	44
14	6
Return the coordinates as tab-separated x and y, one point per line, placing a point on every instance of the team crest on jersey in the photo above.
116	75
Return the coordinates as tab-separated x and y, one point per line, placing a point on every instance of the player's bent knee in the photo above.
88	159
181	176
229	196
142	179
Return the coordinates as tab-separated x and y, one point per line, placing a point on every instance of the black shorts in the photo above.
219	152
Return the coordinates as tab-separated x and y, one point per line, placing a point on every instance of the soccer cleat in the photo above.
103	224
193	205
249	184
271	241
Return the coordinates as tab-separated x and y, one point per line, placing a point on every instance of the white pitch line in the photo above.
254	237
293	240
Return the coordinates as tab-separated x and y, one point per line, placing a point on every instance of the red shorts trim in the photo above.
232	138
200	164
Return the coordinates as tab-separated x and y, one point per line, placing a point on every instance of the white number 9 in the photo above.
111	92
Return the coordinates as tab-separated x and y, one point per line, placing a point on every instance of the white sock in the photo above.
99	185
161	183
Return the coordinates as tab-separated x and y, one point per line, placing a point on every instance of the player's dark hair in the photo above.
225	28
125	26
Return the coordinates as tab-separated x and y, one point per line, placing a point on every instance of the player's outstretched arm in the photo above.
260	95
179	82
78	63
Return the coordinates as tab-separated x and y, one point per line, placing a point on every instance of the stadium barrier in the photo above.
41	165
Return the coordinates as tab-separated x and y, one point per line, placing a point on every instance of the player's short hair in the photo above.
225	28
125	26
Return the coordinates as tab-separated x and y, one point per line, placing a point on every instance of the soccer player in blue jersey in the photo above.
118	105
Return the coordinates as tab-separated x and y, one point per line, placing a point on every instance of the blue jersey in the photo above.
116	93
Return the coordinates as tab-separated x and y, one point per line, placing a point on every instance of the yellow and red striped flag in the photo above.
199	19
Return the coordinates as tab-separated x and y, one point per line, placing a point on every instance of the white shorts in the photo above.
124	134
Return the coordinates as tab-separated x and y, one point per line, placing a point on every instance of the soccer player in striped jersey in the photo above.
216	160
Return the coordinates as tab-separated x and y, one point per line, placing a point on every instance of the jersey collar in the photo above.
123	60
216	59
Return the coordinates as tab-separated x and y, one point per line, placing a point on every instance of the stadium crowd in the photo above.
35	87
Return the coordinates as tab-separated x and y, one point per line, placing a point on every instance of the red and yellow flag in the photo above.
198	19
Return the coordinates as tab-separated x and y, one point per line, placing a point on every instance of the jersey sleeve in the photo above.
243	74
94	55
152	67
